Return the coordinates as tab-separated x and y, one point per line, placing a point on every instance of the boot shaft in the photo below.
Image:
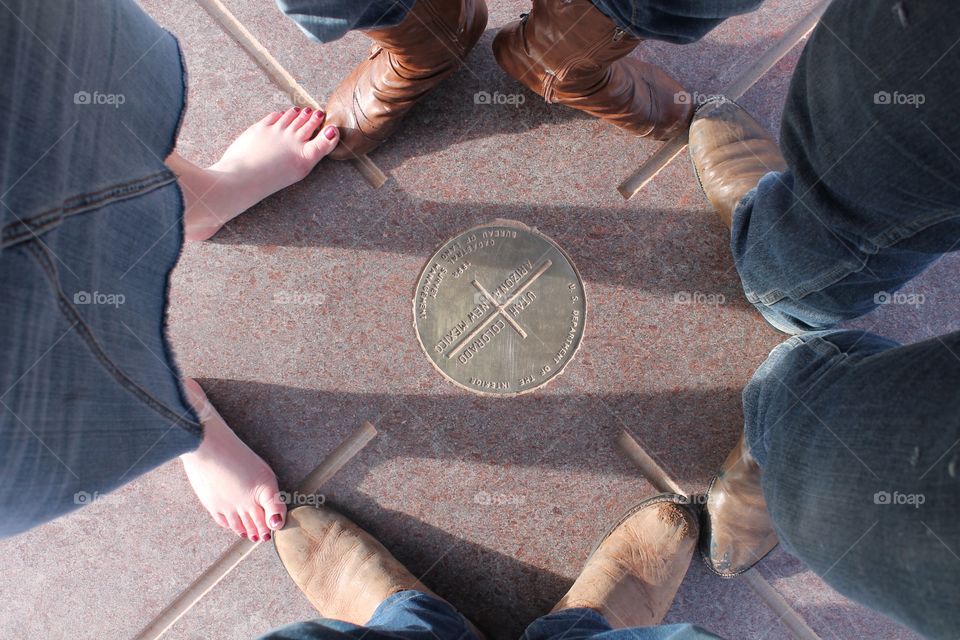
571	36
432	29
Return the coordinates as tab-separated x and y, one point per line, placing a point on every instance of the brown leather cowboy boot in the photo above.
571	53
635	571
342	570
737	531
731	152
405	63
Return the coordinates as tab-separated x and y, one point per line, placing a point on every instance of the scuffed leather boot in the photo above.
730	153
342	570
570	53
405	63
634	573
737	531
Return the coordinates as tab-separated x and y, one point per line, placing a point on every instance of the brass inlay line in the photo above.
785	613
673	147
649	467
480	327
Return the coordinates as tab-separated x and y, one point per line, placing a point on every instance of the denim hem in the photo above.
197	427
383	611
812	285
579	613
395	599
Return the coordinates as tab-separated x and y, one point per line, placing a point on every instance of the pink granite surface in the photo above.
295	379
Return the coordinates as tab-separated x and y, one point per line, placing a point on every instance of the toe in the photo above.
271	118
259	520
274	509
323	144
221	520
301	118
288	116
309	127
250	527
234	522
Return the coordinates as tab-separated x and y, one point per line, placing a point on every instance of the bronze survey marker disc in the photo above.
499	309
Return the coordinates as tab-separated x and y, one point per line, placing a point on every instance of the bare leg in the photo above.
272	154
233	483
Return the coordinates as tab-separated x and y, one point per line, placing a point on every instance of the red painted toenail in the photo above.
266	537
307	110
330	133
297	109
276	520
243	535
254	538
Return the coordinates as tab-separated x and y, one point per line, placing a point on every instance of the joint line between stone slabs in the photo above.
662	481
239	550
673	147
281	77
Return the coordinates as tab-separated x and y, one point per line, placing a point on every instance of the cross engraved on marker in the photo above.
501	309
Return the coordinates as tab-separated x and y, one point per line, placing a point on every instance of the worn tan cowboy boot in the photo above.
737	531
634	573
405	63
570	53
344	572
730	152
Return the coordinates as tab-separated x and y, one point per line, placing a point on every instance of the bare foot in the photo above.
233	483
269	156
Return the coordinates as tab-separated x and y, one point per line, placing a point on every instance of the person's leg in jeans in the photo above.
416	45
624	590
865	195
405	615
576	53
329	20
672	21
95	209
859	442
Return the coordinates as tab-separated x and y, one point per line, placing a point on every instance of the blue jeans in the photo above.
411	615
871	197
859	442
668	20
90	102
329	20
